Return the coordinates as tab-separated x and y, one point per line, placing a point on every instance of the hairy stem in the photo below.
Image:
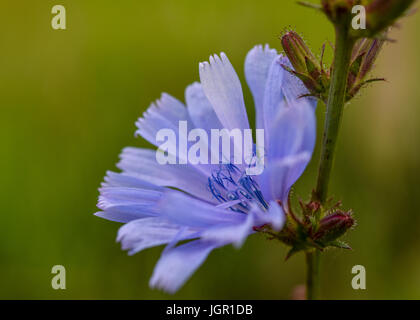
335	104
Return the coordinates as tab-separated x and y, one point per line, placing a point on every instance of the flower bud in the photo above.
333	226
370	49
306	67
297	51
363	58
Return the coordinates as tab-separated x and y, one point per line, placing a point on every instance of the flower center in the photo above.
228	184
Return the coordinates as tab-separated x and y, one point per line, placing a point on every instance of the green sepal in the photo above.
339	244
357	63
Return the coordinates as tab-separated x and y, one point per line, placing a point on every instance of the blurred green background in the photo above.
69	100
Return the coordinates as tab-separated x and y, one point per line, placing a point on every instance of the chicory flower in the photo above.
196	208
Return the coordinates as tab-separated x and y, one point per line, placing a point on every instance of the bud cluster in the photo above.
315	228
313	74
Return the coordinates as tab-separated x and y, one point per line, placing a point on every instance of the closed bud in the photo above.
364	56
369	49
297	51
305	66
333	226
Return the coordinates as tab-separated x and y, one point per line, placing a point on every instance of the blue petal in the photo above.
145	233
293	88
274	99
230	233
124	204
118	208
203	117
282	90
279	176
275	216
141	163
257	66
200	110
223	89
176	265
292	131
165	113
124	214
184	210
113	179
238	232
122	196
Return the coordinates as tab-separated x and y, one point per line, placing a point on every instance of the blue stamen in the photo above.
228	184
215	192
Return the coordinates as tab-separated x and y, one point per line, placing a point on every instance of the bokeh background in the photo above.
69	100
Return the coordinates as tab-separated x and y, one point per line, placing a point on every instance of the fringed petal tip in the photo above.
223	89
259	50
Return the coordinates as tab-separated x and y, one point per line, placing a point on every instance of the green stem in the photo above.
312	270
335	104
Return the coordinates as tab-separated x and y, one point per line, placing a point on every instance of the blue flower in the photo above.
193	209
